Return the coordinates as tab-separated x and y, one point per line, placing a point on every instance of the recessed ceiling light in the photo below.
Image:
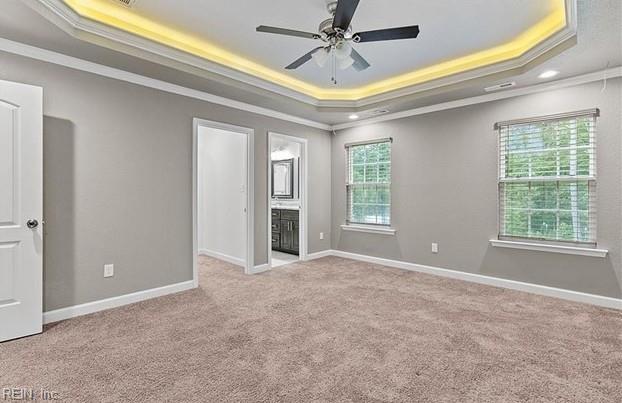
549	74
353	116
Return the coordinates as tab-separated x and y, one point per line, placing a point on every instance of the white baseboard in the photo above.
576	296
230	259
114	302
318	255
260	268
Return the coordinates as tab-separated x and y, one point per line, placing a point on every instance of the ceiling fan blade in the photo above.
302	60
344	13
288	32
360	63
388	34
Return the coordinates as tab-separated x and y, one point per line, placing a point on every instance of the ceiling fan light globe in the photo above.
343	50
320	57
345	62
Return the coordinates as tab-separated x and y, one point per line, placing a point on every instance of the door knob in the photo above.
32	224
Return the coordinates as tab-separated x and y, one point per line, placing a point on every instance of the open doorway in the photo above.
222	200
287	199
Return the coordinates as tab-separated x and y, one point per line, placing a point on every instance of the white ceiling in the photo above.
449	29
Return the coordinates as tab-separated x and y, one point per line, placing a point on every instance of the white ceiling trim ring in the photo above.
44	55
83	28
60	59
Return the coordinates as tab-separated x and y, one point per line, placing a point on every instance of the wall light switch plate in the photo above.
321	235
434	248
108	270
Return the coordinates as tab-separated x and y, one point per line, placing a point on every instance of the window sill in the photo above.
369	229
569	250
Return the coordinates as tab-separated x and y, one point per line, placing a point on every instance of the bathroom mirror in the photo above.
283	179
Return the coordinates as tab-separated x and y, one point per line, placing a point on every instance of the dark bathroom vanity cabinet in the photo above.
285	224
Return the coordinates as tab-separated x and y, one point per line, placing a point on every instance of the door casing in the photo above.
250	191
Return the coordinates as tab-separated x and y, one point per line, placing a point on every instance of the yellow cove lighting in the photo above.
106	12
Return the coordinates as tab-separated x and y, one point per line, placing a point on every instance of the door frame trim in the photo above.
250	191
304	210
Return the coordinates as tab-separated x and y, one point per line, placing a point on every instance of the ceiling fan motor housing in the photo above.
326	27
331	6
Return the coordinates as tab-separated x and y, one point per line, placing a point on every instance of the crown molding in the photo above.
60	59
63	16
614	72
92	31
563	39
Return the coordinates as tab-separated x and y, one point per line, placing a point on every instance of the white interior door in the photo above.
21	210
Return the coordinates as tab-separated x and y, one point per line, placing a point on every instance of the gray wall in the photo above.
118	175
445	190
117	186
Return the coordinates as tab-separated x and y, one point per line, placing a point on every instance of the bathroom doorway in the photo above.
287	199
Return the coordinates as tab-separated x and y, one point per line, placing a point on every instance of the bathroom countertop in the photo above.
285	206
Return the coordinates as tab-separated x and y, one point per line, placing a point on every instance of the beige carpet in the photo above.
328	330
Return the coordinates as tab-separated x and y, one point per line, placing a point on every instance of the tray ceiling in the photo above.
457	37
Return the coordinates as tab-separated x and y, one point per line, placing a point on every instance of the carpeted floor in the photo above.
328	330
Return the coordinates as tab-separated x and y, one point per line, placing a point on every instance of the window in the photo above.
368	187
547	178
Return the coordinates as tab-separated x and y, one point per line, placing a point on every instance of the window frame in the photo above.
589	180
349	185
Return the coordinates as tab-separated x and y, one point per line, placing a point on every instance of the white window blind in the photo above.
368	182
547	178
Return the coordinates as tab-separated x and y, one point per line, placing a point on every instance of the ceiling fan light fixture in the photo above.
343	50
337	33
320	57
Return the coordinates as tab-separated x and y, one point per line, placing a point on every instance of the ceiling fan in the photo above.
336	33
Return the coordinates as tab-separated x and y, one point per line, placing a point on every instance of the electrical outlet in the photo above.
434	248
321	235
108	270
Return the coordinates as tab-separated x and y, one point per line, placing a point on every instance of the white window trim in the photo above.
370	229
547	247
363	227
